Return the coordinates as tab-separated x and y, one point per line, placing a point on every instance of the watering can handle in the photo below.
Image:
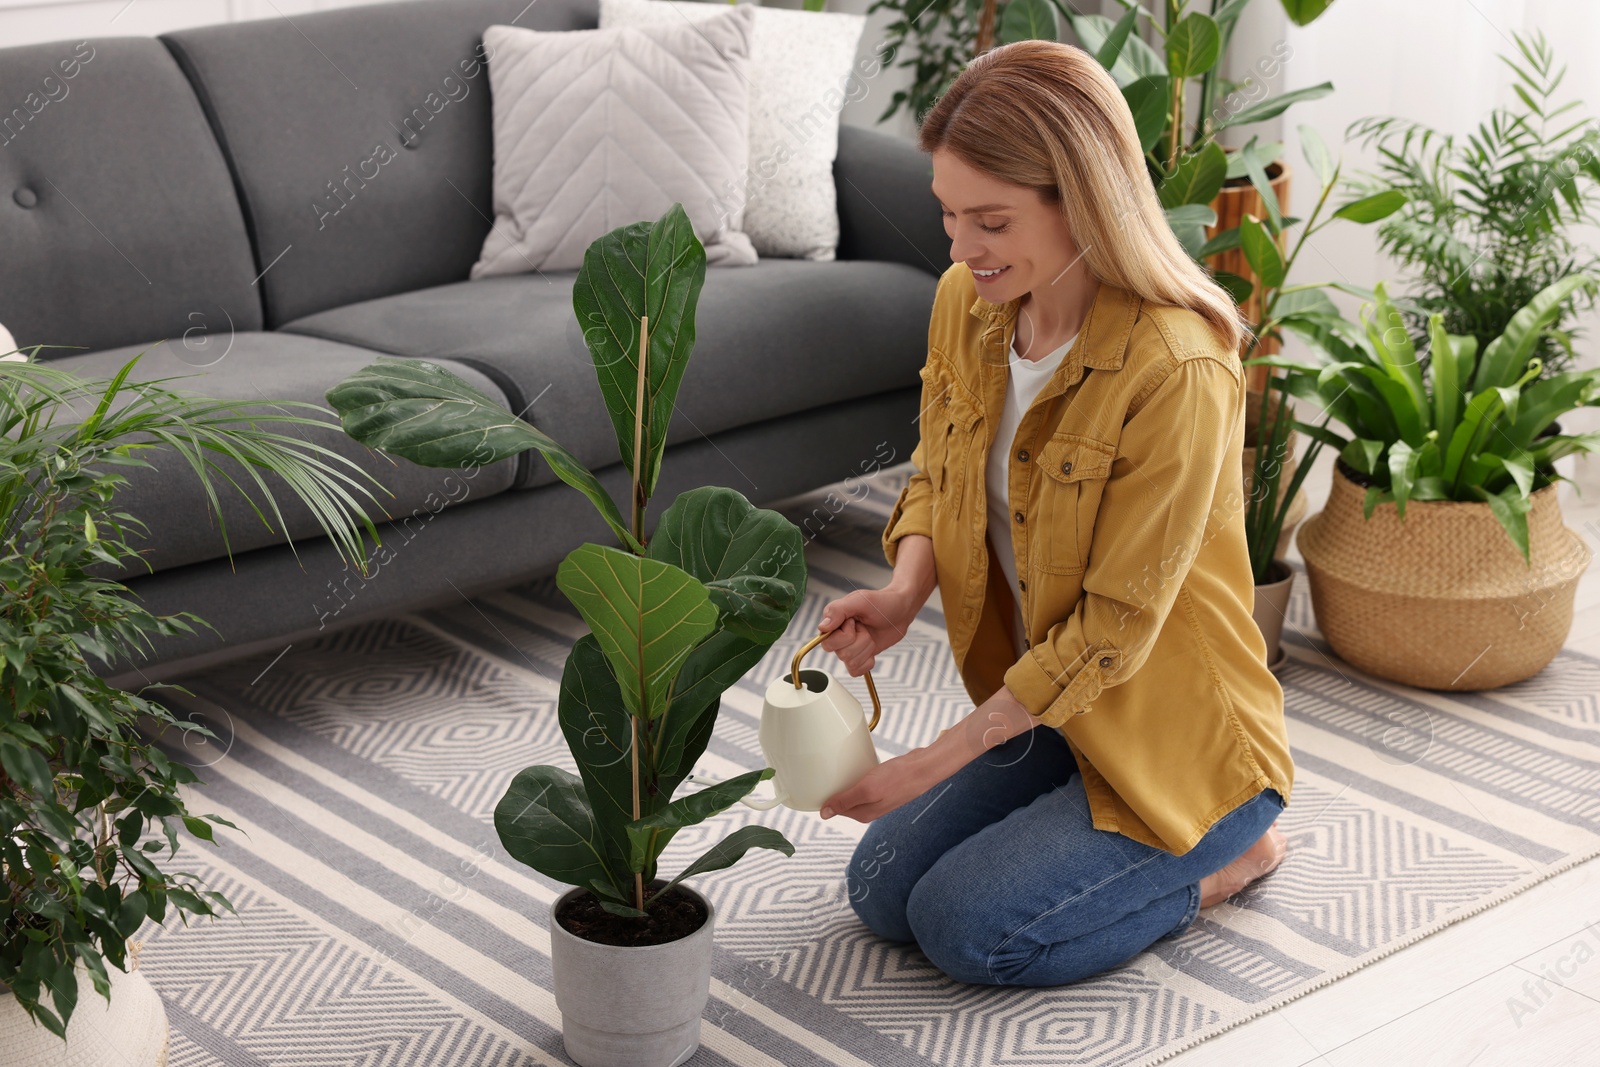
794	673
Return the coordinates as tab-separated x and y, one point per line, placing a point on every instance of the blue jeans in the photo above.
1001	878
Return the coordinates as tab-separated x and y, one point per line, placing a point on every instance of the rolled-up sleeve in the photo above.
1153	517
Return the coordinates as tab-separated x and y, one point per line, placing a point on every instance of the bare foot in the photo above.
1259	859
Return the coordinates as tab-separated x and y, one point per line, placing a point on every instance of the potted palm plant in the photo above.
1489	220
88	798
1443	526
674	619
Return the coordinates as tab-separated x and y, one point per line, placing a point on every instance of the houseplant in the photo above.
1487	220
1274	507
674	619
1443	526
83	782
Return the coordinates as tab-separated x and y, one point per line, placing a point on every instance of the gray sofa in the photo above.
200	197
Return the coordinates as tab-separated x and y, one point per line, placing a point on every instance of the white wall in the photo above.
1432	61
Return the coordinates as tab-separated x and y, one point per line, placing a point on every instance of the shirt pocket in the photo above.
1075	469
949	423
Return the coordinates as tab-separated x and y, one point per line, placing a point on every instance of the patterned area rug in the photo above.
381	924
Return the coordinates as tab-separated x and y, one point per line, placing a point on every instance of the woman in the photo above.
1078	502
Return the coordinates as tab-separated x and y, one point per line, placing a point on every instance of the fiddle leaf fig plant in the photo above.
1474	427
675	618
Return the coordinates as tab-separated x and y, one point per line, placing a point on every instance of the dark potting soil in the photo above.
673	916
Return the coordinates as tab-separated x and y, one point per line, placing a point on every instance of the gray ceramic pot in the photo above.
631	1006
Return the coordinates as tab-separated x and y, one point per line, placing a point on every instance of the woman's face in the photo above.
998	227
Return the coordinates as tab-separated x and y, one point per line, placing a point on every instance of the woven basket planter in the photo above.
1443	600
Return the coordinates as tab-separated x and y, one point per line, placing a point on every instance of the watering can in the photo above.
814	735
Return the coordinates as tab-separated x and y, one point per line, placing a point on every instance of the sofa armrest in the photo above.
886	210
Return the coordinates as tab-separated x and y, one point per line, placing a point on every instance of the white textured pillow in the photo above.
595	129
799	64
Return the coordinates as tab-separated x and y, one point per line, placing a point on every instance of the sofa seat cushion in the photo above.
263	367
773	339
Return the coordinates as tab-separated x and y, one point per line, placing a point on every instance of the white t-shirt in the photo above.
1025	377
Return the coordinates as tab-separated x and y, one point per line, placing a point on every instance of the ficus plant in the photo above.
675	618
1473	427
91	805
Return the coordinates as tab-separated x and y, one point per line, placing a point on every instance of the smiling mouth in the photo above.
988	275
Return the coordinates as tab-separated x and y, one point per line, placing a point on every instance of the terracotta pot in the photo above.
630	1006
1443	600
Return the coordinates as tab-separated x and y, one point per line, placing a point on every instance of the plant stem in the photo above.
638	876
638	429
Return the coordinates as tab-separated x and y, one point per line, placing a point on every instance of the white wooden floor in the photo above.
1517	985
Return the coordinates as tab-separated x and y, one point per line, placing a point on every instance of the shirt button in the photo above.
1022	456
945	402
1019	517
1022	585
1105	661
1066	468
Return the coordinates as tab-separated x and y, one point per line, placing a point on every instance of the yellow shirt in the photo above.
1127	493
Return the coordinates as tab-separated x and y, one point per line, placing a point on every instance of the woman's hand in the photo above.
865	623
895	781
887	786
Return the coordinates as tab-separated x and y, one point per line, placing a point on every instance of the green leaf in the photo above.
1372	208
752	561
598	732
1505	356
1391	341
1255	165
1315	150
1261	251
1193	46
646	269
1198	178
646	614
1028	20
730	850
1147	99
1110	49
1510	507
1238	286
1445	370
648	835
1274	106
544	821
27	766
424	413
1304	12
1135	60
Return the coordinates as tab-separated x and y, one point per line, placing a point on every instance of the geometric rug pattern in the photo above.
380	923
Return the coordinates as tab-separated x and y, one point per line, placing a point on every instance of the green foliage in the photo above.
675	619
88	801
1487	219
1285	305
1470	428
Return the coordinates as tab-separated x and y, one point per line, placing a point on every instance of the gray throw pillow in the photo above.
595	129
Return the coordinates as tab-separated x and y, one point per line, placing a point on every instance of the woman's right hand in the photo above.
865	623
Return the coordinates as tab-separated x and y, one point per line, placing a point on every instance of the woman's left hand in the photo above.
886	787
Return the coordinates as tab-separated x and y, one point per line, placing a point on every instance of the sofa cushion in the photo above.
118	220
260	367
363	159
780	337
595	129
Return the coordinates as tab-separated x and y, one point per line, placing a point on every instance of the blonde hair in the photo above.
1045	114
